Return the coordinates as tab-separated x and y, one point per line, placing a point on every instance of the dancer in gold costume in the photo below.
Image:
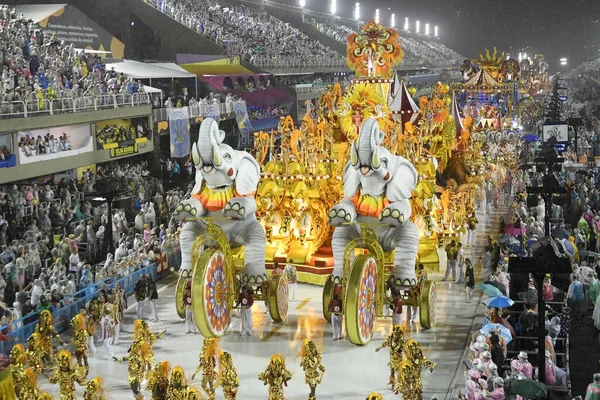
29	388
139	363
94	390
142	330
229	379
158	382
45	328
275	376
313	369
18	358
193	394
65	374
395	342
375	396
208	366
178	386
411	385
80	338
35	353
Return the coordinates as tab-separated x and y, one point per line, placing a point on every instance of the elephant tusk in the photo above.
375	162
354	154
216	157
196	155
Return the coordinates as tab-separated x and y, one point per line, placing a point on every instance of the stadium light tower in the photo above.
418	28
435	31
393	21
377	16
357	11
563	61
405	24
427	29
333	7
302	3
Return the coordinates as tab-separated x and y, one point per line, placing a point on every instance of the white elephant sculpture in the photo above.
226	180
377	186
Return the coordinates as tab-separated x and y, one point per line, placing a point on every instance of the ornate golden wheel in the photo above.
210	294
361	300
428	302
278	298
179	297
327	295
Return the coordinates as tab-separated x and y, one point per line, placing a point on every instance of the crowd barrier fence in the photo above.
24	327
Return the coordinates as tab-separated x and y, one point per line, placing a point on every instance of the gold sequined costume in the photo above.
275	376
409	371
193	394
80	338
35	353
65	374
158	382
94	390
208	366
45	328
313	369
142	330
178	386
139	363
29	388
18	358
395	343
229	379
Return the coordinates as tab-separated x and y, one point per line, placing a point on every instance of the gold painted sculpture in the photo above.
94	390
178	386
275	376
208	366
45	328
142	331
66	375
395	342
18	359
80	338
229	379
313	369
35	353
158	383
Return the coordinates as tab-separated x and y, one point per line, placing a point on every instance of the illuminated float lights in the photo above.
403	112
295	177
372	80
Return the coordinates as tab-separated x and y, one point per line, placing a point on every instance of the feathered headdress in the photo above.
380	44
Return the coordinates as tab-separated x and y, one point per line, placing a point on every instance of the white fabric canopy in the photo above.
150	89
140	70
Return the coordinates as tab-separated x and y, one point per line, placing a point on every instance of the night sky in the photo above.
557	28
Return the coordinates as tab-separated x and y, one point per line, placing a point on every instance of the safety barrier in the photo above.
24	327
195	111
29	108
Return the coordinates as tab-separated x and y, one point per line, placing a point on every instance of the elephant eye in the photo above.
384	162
227	157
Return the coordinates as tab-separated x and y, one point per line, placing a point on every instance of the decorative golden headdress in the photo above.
378	42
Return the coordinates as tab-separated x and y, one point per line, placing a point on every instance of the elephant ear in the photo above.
248	174
404	181
351	181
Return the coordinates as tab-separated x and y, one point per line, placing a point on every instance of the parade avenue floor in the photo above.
352	372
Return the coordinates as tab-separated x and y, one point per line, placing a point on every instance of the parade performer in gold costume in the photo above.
208	366
65	374
178	386
409	371
375	396
139	363
275	376
158	383
35	353
29	388
193	394
45	328
313	369
229	379
18	358
395	342
80	338
142	330
94	390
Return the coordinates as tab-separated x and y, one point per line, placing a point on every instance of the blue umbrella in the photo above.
490	290
498	328
498	302
530	138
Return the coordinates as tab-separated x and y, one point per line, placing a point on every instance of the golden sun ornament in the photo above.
375	51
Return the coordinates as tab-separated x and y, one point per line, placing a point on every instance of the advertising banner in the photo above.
127	148
179	126
52	143
559	131
241	115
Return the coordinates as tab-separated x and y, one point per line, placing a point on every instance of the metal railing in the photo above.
195	111
32	108
22	328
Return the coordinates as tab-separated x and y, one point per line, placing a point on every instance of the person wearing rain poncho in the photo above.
576	297
593	390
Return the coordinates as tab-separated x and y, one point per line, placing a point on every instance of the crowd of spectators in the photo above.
120	133
48	144
260	112
246	30
38	69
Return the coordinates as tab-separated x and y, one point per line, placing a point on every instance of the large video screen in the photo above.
558	131
52	143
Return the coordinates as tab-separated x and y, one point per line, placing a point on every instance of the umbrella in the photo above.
498	286
490	290
567	247
498	302
560	233
528	388
587	253
530	138
508	240
510	229
499	328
